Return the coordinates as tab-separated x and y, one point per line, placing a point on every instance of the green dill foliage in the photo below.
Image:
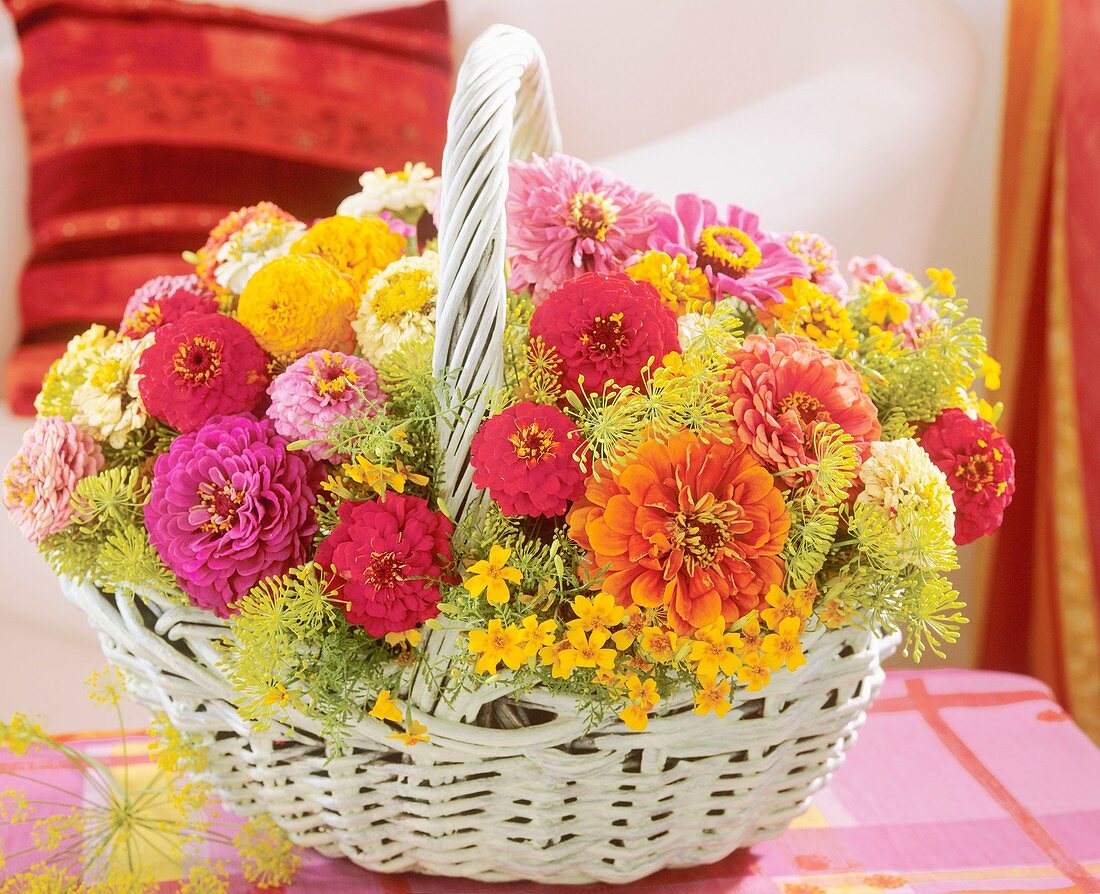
148	441
289	646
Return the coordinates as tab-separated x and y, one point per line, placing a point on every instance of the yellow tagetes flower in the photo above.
715	650
585	651
782	647
416	732
885	307
492	576
678	283
754	672
795	604
713	696
990	371
659	643
534	635
943	280
835	613
601	612
812	312
298	304
634	624
551	657
385	708
643	698
380	478
356	247
410	638
751	633
497	644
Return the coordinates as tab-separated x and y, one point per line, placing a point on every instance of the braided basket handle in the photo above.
502	109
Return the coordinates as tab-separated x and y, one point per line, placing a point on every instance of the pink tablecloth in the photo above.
962	781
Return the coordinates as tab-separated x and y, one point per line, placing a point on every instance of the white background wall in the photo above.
875	123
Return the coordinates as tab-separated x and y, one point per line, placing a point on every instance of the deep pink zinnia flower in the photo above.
980	467
229	506
781	386
567	218
605	327
525	458
201	366
163	300
387	557
740	259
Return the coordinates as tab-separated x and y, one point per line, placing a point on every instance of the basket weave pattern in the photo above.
509	786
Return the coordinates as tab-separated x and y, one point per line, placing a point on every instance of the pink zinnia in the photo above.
526	458
388	557
163	300
604	328
980	467
820	258
201	366
318	389
229	506
740	259
784	385
40	480
865	271
566	218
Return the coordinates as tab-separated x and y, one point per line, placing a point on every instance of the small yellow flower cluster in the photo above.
676	281
810	311
386	709
373	477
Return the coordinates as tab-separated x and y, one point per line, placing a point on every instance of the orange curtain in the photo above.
1042	606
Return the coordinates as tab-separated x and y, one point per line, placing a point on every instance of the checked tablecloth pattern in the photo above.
962	781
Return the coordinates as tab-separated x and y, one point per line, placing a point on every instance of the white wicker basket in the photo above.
509	787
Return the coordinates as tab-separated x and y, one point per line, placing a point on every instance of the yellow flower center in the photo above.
533	444
807	408
593	215
16	493
221	504
406	293
331	377
703	533
728	250
976	472
606	335
678	283
108	375
197	360
817	254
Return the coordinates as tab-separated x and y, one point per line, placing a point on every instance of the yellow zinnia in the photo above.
359	248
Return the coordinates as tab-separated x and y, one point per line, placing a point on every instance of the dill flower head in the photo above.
387	557
356	247
820	258
204	365
605	328
816	314
678	283
252	246
525	458
781	387
566	218
162	300
910	495
315	391
298	304
739	258
41	478
99	380
207	262
230	506
980	468
693	524
398	305
412	189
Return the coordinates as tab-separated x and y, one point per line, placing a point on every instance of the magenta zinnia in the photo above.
40	480
739	258
781	387
525	458
229	506
980	468
387	558
204	365
317	390
605	328
163	300
566	218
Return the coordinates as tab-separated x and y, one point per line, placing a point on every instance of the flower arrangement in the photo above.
708	443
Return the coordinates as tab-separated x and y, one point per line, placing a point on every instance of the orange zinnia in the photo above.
693	524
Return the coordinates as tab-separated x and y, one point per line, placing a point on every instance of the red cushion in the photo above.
148	120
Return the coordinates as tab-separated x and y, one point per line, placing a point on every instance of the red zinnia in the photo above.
202	366
605	327
980	467
524	457
388	557
163	300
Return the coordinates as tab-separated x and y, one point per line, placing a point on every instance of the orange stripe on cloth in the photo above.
925	703
958	700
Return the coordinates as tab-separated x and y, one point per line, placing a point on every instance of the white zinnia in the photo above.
107	402
406	190
256	243
399	304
